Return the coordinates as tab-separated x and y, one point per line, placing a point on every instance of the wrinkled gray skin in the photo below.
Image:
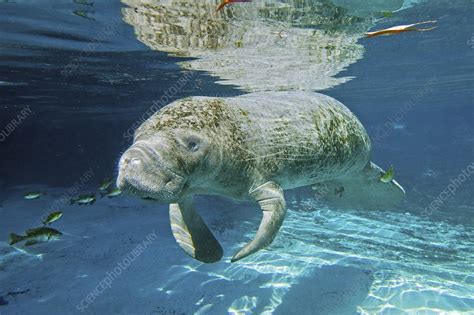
249	147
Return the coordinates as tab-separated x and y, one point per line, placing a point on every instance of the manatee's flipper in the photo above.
192	234
364	190
272	202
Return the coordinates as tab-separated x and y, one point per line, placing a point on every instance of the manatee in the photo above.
250	147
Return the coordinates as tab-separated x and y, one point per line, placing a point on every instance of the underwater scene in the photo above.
236	157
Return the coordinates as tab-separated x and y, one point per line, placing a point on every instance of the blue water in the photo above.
87	72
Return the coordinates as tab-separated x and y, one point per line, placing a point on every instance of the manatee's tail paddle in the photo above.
365	190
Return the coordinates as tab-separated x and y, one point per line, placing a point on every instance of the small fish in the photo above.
112	193
226	2
34	236
105	184
33	195
387	177
84	14
387	14
53	216
402	28
83	200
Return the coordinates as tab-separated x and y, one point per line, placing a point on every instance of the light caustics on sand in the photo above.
12	257
415	265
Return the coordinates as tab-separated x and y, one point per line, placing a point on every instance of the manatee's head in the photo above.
166	164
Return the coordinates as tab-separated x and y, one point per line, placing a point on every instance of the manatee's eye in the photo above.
193	146
192	143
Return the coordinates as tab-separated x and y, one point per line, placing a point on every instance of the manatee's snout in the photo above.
144	172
